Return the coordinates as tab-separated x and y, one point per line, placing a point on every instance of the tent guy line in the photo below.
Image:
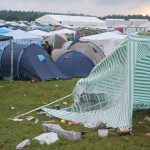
42	106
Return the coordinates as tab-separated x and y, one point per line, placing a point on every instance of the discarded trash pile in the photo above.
54	132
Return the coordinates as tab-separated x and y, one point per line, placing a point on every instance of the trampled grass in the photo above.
25	96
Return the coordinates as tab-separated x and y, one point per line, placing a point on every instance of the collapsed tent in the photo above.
108	93
89	49
29	61
74	64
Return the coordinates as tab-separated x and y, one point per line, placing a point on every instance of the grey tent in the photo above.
89	49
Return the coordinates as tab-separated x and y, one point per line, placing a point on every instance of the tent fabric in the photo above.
56	53
70	20
62	31
89	49
22	37
27	65
4	30
4	41
6	60
67	44
58	41
1	52
114	87
39	33
74	64
5	38
106	41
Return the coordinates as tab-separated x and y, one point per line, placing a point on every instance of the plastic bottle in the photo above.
23	144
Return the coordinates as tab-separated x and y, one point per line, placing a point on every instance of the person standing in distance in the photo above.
48	48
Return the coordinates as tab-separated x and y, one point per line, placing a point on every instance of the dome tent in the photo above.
56	40
30	61
1	52
7	39
56	53
74	64
89	49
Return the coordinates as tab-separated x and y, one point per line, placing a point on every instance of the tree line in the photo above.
10	15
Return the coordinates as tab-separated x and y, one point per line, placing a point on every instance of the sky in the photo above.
87	7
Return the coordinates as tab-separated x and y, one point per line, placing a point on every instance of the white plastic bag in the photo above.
47	138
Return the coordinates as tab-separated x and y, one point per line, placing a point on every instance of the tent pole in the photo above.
12	51
43	106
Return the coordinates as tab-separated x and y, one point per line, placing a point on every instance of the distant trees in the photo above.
125	17
20	15
10	15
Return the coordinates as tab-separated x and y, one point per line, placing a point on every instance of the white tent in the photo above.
39	33
106	41
22	25
62	31
145	25
23	37
70	20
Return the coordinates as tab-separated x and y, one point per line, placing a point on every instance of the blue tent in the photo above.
3	30
1	52
74	64
29	61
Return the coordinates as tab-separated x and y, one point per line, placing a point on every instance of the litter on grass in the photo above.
47	138
29	118
147	118
12	108
147	134
65	103
16	119
36	121
69	135
23	144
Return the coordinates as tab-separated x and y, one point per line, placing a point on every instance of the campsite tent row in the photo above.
78	60
32	62
29	62
35	36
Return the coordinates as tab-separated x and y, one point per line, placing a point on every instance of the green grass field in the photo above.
25	96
